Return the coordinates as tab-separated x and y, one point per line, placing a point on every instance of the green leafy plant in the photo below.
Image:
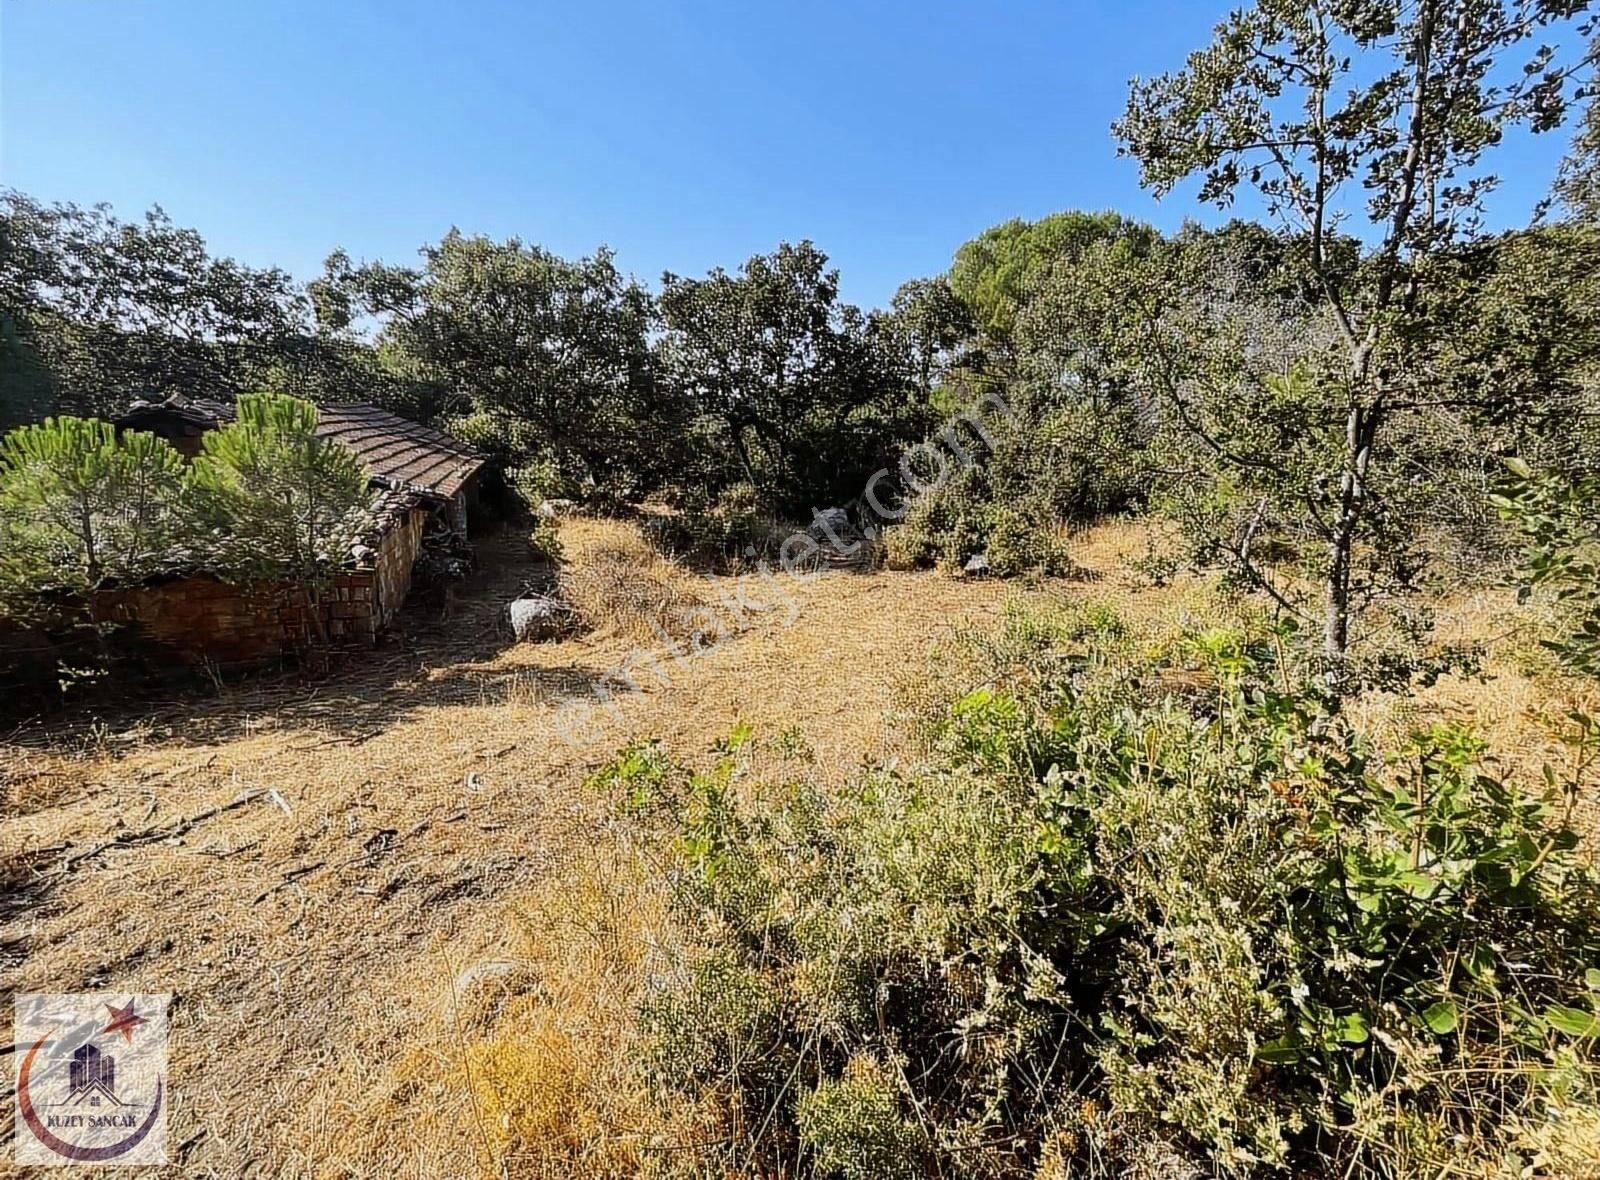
84	508
855	1129
1218	922
284	501
1559	519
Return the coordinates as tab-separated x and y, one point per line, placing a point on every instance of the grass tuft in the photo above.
621	584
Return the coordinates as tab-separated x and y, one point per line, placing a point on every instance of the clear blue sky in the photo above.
682	134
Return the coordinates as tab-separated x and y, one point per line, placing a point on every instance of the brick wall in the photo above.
397	553
200	619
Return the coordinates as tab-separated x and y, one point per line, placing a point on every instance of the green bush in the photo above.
1560	526
949	524
544	542
1109	923
1038	465
855	1130
729	527
1020	543
267	497
84	507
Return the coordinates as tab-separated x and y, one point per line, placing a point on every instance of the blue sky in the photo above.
683	134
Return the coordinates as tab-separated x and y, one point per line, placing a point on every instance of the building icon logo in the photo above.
91	1079
92	1075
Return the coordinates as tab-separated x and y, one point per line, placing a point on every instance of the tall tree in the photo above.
994	272
799	388
1315	104
114	310
933	323
542	361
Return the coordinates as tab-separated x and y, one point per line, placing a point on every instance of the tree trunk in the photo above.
1336	598
313	607
92	569
1359	431
742	450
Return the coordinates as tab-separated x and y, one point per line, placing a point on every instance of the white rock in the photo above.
551	509
537	617
831	523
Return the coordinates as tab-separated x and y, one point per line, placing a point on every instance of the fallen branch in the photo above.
289	878
233	850
164	832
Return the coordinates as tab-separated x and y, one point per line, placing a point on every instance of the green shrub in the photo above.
1109	923
731	527
854	1128
948	525
84	507
544	542
1021	543
1047	461
1560	525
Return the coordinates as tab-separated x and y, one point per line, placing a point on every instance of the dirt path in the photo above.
310	935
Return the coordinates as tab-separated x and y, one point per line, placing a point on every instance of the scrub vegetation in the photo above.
1126	709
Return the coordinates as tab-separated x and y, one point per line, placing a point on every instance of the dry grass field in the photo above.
328	877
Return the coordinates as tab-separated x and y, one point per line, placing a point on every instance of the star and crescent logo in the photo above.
90	1088
123	1021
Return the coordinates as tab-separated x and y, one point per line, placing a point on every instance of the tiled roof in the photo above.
400	451
388	509
396	450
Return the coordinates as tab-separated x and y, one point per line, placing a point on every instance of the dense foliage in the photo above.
95	312
83	507
1559	520
541	362
784	386
281	499
1124	931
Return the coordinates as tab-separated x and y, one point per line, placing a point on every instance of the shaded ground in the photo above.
387	815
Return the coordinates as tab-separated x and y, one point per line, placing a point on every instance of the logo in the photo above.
91	1078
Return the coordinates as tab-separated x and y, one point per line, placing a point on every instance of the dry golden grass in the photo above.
1518	700
428	820
559	1082
621	585
312	938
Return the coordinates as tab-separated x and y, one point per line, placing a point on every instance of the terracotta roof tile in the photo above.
395	449
399	450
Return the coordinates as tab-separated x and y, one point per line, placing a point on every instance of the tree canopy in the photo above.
1380	114
785	385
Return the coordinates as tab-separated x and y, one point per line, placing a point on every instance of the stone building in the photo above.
400	453
426	481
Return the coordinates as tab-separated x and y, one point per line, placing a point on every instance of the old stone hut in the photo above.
427	481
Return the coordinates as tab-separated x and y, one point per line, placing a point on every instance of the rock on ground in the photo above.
538	617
